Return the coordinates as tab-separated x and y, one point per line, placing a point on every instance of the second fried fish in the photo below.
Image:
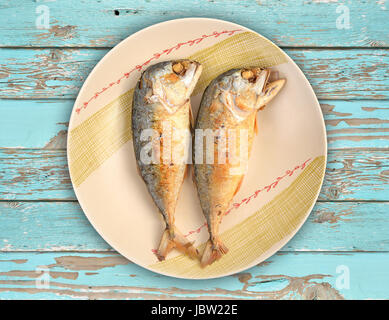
228	108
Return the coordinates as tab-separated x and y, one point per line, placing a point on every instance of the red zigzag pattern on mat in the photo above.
155	56
236	205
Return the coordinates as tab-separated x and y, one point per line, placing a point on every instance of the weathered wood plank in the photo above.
356	174
34	174
59	73
75	23
62	226
357	123
350	124
45	226
110	276
352	174
34	124
334	74
46	73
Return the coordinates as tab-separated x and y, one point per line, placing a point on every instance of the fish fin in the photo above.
213	252
256	125
239	185
175	240
271	90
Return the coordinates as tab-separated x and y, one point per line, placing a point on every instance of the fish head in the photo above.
241	87
244	91
171	83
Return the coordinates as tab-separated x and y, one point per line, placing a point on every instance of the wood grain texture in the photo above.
352	174
110	276
46	73
336	74
350	124
43	227
59	73
356	124
62	226
288	23
21	123
34	174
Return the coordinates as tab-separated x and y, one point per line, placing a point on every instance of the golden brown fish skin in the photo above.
230	102
162	96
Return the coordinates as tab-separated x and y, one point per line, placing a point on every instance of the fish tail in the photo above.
213	251
173	239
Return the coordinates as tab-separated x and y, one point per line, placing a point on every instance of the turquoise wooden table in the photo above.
49	249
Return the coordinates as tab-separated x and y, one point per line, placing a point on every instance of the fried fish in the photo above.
228	108
162	97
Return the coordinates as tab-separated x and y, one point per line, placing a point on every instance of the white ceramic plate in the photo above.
286	168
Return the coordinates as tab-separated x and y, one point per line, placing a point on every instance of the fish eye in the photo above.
248	75
180	67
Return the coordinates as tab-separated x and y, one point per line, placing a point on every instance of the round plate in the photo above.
286	167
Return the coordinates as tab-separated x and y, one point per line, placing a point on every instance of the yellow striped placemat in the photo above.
243	50
99	137
96	139
258	233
